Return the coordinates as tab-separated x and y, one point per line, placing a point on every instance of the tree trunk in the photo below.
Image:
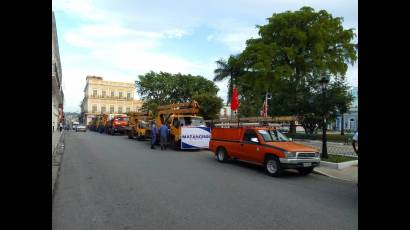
292	129
342	130
324	140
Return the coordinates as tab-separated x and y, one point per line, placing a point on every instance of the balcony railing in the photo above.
109	97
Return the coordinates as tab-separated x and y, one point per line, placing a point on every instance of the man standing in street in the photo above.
163	133
153	134
355	142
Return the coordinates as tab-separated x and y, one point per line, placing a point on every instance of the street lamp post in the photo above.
323	84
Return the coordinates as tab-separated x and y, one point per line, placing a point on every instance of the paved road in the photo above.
114	183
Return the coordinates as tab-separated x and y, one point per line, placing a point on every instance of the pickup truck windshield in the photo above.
191	121
272	135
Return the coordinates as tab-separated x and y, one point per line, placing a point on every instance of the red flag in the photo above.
264	110
235	102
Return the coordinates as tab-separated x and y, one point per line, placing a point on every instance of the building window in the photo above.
128	109
111	109
120	94
94	109
128	96
119	109
103	109
112	94
103	93
94	93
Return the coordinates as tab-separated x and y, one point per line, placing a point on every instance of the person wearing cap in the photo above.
163	133
153	134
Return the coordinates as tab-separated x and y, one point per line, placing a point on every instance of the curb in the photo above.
340	165
328	175
60	141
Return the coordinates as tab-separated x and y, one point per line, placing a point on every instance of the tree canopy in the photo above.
165	88
231	70
294	51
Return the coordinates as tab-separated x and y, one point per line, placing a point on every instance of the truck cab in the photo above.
117	123
264	146
177	116
177	122
138	125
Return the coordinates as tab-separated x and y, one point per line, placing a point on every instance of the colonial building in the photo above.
57	98
107	97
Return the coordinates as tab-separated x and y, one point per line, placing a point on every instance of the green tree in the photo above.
165	88
210	105
231	70
336	97
294	51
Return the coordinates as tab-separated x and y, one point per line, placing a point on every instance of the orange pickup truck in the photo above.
263	146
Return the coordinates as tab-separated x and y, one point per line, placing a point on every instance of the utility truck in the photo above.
187	130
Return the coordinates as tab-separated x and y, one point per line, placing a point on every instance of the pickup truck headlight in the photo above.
290	154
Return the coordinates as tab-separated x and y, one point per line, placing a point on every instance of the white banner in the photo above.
195	137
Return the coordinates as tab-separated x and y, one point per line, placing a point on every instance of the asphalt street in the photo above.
111	182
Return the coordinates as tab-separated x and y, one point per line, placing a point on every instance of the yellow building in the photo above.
107	97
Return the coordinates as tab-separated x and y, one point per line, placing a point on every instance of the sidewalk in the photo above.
57	148
348	174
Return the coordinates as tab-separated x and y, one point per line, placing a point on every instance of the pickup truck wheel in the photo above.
305	171
221	155
273	167
131	134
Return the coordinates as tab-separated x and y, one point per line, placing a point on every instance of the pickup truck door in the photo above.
249	150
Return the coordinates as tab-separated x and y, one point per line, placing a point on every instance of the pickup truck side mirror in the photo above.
254	139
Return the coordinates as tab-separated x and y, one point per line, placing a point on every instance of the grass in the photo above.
338	159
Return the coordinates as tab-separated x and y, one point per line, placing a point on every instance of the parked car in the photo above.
263	146
81	128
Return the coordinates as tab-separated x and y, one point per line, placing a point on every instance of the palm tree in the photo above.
230	69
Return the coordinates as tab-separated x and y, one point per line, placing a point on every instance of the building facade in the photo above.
107	97
351	118
57	98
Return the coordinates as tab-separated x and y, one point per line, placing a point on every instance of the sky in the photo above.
120	40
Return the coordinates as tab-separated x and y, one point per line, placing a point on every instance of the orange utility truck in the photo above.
263	146
139	125
116	123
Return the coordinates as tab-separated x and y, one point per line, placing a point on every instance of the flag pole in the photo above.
237	115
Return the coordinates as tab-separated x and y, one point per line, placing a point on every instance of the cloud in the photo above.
236	39
176	33
210	37
84	10
122	40
118	54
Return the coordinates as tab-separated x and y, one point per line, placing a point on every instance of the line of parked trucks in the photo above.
255	142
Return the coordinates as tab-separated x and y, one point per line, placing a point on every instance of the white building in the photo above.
104	97
57	99
226	112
